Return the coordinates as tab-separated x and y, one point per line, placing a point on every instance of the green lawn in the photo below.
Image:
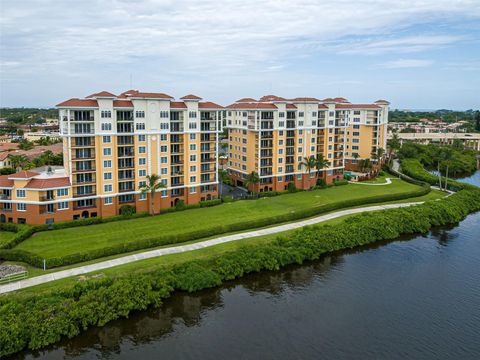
6	236
73	240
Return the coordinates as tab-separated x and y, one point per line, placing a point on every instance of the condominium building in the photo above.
272	136
111	143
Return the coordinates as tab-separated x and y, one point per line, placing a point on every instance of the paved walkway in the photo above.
388	181
189	247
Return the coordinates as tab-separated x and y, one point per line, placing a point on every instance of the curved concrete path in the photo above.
388	181
42	279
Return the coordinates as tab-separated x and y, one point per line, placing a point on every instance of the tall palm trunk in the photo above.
446	179
152	203
439	176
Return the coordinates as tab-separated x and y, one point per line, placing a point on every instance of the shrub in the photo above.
180	205
340	182
127	210
291	187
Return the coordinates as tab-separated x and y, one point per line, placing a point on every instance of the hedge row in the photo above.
34	321
35	260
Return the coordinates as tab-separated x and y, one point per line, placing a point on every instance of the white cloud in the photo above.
167	41
407	63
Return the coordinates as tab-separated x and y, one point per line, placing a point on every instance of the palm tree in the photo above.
447	156
152	185
309	163
393	144
380	153
18	161
366	164
356	156
252	179
321	163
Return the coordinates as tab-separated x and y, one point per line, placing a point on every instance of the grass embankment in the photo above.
64	308
33	271
74	245
6	236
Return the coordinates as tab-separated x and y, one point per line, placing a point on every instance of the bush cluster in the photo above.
35	260
34	321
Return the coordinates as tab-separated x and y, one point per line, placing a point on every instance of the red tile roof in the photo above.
101	94
191	97
48	183
8	146
291	106
25	174
252	106
78	103
138	94
268	98
209	105
5	181
322	106
178	105
122	103
357	106
306	99
246	100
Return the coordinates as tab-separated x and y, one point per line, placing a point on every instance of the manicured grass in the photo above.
72	240
6	236
33	271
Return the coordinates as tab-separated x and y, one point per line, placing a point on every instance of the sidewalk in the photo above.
22	284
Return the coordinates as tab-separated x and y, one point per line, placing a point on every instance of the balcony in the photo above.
5	196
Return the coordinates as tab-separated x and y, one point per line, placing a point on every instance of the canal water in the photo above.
414	298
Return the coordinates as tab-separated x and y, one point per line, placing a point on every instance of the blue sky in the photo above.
416	54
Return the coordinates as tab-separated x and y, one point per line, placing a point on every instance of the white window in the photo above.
142	184
164	126
107	176
164	114
107	163
164	193
107	151
108	188
193	168
164	171
143	196
280	169
142	161
300	114
106	114
140	114
107	139
164	159
141	138
192	126
192	114
142	150
140	126
193	147
163	137
192	190
108	200
62	192
193	157
193	179
193	136
142	173
21	207
164	148
21	193
62	205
